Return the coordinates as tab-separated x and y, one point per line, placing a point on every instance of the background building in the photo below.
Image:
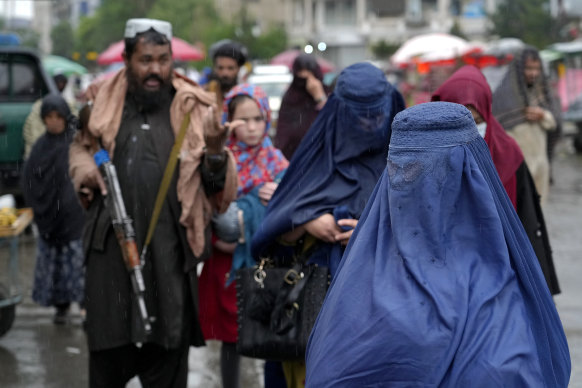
264	12
569	7
14	14
47	14
348	27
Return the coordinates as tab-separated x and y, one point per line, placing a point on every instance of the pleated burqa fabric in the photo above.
439	286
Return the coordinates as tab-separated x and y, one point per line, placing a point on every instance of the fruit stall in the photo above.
13	222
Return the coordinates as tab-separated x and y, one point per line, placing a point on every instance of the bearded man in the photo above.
135	117
227	59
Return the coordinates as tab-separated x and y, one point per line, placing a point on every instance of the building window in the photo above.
414	12
4	81
456	7
383	8
474	9
430	5
298	12
25	82
84	8
340	12
418	12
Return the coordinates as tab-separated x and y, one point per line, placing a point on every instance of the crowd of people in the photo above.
429	220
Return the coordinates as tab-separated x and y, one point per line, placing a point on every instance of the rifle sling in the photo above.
166	179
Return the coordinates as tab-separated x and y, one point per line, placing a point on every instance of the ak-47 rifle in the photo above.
123	226
122	222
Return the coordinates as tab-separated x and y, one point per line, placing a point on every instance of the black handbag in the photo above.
277	308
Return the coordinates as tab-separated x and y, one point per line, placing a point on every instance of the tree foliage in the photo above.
190	18
457	31
196	21
528	20
260	44
383	49
108	24
270	43
28	37
63	39
199	21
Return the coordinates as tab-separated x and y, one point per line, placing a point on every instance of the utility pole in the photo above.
9	13
561	10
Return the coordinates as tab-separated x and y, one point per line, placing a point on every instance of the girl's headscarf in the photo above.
439	285
297	111
340	159
468	86
261	163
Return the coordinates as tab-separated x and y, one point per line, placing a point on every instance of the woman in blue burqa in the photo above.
439	286
333	172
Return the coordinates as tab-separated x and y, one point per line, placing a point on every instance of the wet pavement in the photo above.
563	213
37	353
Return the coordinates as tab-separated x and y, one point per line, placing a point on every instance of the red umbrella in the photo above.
181	51
287	57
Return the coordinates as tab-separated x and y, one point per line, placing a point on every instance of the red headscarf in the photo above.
468	86
257	164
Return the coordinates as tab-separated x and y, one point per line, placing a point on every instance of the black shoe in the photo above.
61	316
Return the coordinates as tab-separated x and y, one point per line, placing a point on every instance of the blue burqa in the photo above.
339	160
439	286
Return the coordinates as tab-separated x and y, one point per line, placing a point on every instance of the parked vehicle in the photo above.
563	63
274	79
22	81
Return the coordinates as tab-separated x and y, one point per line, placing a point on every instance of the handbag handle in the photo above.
286	307
299	285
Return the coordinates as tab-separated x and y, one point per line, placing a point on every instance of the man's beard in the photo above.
226	84
148	100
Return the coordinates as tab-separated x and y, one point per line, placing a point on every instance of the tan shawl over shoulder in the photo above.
190	99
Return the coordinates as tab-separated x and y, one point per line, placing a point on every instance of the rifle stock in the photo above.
214	86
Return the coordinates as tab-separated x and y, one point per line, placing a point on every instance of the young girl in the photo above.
58	277
259	163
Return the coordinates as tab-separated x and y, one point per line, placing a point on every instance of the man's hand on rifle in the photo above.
93	180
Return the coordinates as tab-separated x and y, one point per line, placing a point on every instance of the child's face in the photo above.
252	131
54	123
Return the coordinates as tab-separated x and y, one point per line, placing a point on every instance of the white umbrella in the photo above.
504	46
438	45
452	53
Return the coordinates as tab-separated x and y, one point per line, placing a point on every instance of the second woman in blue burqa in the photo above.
331	177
